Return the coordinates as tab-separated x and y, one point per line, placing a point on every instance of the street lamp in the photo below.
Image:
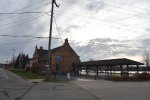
13	58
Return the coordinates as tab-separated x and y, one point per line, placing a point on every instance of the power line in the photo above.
58	29
128	18
101	20
114	22
24	13
14	22
30	5
18	42
114	1
23	41
47	12
103	8
135	15
22	22
23	36
22	19
15	15
26	36
129	10
21	13
110	22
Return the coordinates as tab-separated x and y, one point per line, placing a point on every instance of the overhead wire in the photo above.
135	7
125	18
130	10
134	26
114	22
23	13
25	36
18	42
109	22
14	22
111	10
25	41
16	15
101	20
27	12
14	26
28	6
10	27
57	29
135	15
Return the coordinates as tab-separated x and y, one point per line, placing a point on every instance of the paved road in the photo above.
3	75
109	90
13	87
58	91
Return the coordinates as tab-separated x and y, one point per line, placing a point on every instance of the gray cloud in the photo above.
147	29
69	29
95	6
145	44
102	48
23	24
98	48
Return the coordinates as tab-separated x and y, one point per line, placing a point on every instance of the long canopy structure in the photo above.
109	64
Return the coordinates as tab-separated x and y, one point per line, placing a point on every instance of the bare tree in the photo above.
146	59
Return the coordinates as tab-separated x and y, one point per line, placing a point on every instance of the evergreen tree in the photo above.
21	61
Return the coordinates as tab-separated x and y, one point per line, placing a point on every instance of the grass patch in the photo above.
52	79
28	75
56	81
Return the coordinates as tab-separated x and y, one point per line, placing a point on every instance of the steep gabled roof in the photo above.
55	49
73	51
44	53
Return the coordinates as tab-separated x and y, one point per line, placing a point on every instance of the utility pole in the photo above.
50	36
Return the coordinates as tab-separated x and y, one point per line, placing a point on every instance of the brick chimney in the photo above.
66	41
36	47
41	48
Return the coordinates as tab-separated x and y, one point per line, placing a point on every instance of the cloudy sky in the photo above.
96	29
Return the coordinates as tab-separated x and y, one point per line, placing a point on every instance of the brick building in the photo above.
62	58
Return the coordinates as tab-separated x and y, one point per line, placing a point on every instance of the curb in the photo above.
16	75
97	98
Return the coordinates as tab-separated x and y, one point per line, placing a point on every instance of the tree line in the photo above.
21	61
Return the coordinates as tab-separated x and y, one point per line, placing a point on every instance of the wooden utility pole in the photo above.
50	36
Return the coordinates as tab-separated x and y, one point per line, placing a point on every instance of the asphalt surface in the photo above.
109	90
13	87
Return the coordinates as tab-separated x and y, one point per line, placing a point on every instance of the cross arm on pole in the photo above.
54	1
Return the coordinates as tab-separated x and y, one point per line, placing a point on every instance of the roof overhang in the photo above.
110	62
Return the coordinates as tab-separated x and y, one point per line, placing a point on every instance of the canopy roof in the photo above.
110	62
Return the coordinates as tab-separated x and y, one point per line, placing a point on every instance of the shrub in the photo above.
125	75
144	76
116	78
135	77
